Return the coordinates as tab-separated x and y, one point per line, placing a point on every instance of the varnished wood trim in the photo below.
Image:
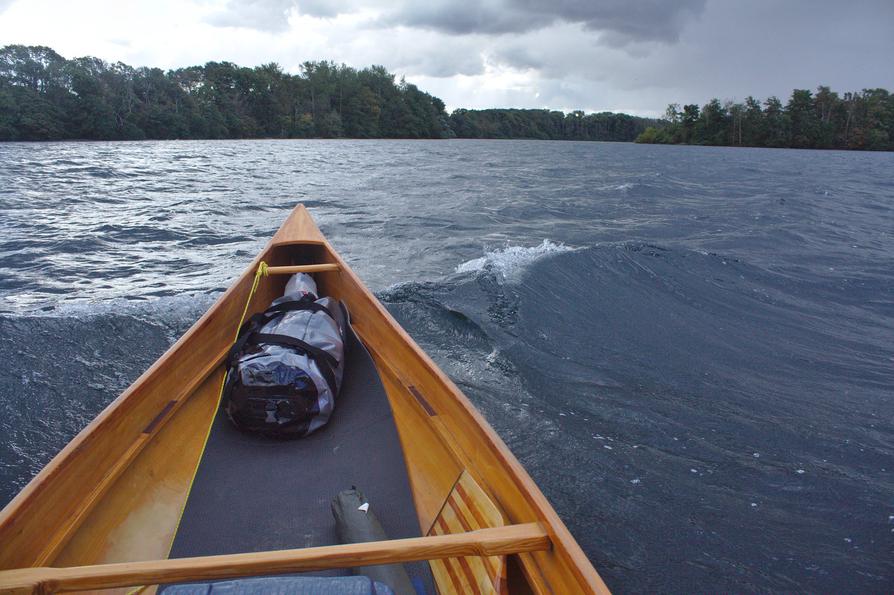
497	541
469	574
303	268
468	509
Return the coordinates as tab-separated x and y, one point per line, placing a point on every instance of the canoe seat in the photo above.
468	508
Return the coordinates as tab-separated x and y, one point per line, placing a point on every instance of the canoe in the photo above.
151	493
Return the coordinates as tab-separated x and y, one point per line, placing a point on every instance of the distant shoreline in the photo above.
861	121
45	97
310	138
353	139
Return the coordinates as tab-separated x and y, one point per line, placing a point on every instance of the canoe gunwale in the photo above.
106	421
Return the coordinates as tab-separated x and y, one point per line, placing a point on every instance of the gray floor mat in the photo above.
254	494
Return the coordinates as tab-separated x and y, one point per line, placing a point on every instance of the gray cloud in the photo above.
442	66
633	55
273	15
465	17
644	20
324	8
263	15
419	53
624	21
621	21
521	56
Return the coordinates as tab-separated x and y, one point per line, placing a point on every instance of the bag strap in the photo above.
295	305
249	334
258	320
325	360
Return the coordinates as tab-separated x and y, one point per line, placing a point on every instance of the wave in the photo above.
620	187
510	262
61	367
637	310
660	374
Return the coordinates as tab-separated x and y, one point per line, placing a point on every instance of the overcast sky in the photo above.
617	55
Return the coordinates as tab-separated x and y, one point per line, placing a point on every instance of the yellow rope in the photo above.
261	272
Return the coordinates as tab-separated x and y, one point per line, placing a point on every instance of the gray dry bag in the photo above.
355	522
286	366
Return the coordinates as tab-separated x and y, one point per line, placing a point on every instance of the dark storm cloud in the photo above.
464	18
632	55
645	20
520	55
622	21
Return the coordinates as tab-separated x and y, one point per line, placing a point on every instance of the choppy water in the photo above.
691	349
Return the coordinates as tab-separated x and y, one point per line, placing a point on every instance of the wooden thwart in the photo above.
496	541
303	268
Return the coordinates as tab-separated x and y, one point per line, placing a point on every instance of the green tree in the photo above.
777	123
754	128
802	118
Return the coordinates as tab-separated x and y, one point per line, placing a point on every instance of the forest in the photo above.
44	96
546	124
861	120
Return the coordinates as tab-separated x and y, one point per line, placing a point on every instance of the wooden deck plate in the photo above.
468	508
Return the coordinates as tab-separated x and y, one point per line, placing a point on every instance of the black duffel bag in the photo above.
286	367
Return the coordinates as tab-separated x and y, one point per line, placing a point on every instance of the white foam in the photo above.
173	314
511	261
164	308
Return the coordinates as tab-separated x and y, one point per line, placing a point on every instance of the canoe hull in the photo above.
114	494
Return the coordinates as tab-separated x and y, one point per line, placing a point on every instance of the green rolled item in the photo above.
356	525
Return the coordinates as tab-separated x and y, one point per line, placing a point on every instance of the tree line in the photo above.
546	124
861	120
44	96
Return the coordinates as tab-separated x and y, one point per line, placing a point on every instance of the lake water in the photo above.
690	349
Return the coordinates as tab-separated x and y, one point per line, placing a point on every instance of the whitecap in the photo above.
510	262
